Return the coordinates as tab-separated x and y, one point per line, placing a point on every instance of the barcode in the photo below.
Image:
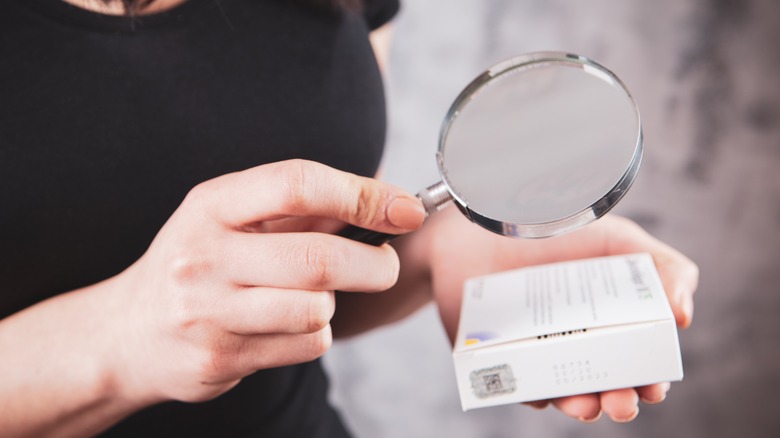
493	381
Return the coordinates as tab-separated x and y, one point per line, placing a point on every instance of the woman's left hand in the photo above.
460	250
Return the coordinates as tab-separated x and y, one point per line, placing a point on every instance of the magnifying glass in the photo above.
536	146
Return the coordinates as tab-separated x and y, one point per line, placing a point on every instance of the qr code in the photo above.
493	381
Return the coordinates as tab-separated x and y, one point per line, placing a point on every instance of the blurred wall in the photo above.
705	74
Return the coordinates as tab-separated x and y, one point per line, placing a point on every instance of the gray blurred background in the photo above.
706	76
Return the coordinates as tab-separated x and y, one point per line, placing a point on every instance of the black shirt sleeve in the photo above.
380	12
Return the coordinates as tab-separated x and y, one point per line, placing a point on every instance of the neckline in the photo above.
66	13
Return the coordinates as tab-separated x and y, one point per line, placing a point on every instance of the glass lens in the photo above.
540	142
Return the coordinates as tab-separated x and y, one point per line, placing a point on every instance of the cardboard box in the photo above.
562	329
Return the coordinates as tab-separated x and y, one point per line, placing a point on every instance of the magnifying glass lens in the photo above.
538	144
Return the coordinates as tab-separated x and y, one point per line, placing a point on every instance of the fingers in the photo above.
269	351
584	407
308	261
239	356
653	394
622	405
261	310
305	188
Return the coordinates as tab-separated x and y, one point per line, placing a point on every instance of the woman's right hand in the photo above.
239	280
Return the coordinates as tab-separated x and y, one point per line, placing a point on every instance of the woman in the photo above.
164	243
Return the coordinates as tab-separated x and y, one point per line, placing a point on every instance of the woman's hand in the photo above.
240	278
222	292
460	250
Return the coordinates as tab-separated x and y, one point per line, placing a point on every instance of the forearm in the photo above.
57	361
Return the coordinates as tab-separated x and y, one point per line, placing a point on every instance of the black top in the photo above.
107	122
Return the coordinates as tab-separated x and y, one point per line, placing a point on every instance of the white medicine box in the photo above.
562	329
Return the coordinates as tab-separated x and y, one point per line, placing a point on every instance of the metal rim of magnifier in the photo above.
559	226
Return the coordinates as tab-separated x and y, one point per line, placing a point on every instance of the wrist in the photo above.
122	344
108	334
61	354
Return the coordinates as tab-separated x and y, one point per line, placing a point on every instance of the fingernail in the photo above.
627	419
590	420
406	213
660	397
538	404
649	401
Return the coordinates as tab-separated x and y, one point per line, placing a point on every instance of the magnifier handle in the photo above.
370	237
433	198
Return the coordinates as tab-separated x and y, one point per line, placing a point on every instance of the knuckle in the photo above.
199	194
198	203
187	307
320	311
184	316
319	263
320	342
367	201
218	362
295	176
186	267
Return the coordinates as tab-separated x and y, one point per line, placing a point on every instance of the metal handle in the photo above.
434	199
370	237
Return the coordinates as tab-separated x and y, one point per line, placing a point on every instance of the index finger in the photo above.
299	188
